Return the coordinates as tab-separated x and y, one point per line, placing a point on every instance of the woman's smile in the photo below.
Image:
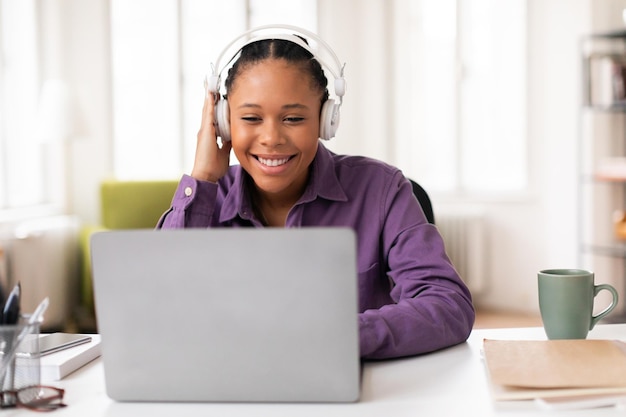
273	161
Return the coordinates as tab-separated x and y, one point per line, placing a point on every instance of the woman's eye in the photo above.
294	119
250	118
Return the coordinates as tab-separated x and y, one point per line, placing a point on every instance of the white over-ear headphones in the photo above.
329	116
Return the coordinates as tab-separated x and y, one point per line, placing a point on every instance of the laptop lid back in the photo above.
228	314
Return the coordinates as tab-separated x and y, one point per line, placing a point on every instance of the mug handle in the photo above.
596	290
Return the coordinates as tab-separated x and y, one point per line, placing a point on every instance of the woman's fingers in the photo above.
211	161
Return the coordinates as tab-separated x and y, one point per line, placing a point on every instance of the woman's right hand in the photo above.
212	160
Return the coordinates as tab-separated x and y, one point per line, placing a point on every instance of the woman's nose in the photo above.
271	134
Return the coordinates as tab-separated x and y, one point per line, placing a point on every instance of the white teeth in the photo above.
273	162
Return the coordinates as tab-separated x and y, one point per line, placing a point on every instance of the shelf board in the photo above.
617	107
609	178
616	250
614	34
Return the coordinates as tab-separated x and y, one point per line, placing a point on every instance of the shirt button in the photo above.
188	191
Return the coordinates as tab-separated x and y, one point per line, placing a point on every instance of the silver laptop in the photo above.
246	315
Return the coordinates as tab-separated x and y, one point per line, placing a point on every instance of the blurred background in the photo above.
483	102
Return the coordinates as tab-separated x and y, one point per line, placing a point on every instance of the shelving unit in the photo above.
602	162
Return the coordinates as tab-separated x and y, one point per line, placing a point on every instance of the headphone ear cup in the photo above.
329	119
222	125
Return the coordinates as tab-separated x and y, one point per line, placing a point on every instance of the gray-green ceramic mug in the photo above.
566	298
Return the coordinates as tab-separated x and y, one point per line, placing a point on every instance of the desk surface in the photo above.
451	382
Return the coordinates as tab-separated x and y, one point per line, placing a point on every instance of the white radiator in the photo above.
465	235
42	255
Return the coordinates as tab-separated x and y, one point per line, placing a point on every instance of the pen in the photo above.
11	310
2	294
3	260
12	344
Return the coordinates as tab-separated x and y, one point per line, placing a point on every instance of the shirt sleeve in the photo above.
193	205
432	306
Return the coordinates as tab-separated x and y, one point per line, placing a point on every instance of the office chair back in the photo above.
424	200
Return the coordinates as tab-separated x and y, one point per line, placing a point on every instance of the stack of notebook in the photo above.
58	365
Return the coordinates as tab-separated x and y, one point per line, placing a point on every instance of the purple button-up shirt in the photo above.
411	299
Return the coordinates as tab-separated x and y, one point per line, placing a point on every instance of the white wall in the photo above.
529	232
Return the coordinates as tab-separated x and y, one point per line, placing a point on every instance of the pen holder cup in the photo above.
19	355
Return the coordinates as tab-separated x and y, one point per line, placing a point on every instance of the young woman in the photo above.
411	299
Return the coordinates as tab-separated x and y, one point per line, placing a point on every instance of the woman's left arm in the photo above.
432	306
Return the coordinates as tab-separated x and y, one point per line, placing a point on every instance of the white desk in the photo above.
451	382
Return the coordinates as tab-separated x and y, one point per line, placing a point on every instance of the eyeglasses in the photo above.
36	398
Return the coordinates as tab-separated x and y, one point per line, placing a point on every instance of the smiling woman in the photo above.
277	106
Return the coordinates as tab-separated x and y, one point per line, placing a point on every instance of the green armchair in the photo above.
124	205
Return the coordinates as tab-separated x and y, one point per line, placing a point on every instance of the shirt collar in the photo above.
323	183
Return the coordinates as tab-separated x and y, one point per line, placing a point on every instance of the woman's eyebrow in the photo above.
286	106
295	106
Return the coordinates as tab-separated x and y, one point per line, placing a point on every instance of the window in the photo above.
23	157
468	96
161	51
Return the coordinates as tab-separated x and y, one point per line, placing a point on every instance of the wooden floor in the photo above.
486	319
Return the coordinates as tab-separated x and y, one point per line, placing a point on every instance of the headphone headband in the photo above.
329	113
336	69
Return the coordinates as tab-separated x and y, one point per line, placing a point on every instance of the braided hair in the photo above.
291	52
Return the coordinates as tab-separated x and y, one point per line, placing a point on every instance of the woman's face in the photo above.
274	121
